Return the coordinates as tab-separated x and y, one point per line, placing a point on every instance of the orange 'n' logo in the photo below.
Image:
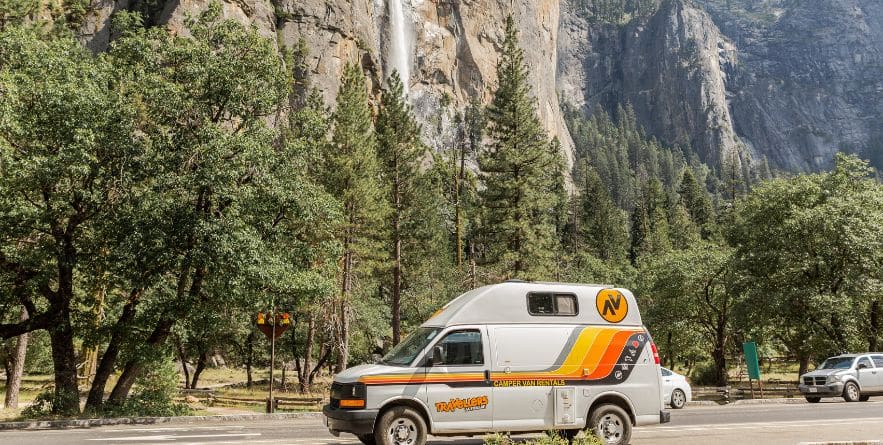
612	305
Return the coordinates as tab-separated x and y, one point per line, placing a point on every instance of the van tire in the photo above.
367	439
851	392
611	424
864	398
400	425
813	399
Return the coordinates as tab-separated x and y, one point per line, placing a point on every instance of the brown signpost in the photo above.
273	325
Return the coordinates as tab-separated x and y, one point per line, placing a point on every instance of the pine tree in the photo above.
351	175
602	227
516	226
469	143
697	202
399	150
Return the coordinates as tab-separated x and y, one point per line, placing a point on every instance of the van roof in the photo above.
508	303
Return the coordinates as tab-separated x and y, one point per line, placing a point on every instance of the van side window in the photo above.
864	361
461	348
543	303
878	360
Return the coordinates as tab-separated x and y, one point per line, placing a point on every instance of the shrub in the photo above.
705	375
45	403
155	393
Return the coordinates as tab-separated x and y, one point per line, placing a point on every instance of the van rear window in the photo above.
547	303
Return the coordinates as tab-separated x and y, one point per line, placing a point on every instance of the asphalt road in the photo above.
734	424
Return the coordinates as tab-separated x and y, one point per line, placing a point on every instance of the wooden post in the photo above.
271	406
760	383
751	385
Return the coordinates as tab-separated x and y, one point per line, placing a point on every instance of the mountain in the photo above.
792	81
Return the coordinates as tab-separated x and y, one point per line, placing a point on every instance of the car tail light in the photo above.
655	352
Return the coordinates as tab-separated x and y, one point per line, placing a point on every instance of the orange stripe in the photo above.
610	358
608	343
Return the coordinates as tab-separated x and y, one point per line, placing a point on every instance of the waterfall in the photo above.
400	47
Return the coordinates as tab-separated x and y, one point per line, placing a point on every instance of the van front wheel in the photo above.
400	426
611	424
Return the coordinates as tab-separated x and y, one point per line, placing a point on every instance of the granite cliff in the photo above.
791	80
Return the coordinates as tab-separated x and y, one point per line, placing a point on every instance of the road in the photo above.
746	424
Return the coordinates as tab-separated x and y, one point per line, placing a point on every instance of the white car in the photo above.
675	389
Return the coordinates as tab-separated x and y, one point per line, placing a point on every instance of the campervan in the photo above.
512	357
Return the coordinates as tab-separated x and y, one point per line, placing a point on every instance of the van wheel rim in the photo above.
403	432
677	399
610	428
852	391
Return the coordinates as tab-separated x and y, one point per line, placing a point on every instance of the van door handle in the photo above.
487	376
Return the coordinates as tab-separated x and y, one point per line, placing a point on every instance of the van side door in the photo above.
457	382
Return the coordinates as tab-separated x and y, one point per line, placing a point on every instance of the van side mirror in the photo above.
862	366
434	356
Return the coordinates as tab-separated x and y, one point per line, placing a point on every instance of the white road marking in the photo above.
167	437
172	428
764	425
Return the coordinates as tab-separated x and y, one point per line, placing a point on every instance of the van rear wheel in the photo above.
400	425
611	424
367	439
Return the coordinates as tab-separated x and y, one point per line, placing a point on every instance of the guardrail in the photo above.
726	394
212	398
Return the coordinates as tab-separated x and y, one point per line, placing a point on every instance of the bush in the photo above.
705	375
497	439
44	404
154	396
551	438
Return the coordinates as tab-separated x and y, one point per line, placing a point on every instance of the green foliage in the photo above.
811	248
154	395
517	229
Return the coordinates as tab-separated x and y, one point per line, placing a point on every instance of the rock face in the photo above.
793	81
671	69
810	78
451	51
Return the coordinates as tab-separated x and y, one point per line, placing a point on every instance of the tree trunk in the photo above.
108	360
397	267
803	359
182	356
200	366
670	351
720	353
304	373
15	371
343	308
874	325
159	335
249	360
61	337
133	367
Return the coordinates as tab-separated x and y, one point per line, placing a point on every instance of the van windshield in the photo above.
405	352
837	363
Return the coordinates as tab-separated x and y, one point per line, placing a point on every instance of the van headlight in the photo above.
834	378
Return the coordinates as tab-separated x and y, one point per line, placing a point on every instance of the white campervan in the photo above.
510	357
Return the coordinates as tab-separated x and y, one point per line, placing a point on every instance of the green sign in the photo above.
750	350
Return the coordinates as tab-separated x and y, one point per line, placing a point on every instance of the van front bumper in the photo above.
358	421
